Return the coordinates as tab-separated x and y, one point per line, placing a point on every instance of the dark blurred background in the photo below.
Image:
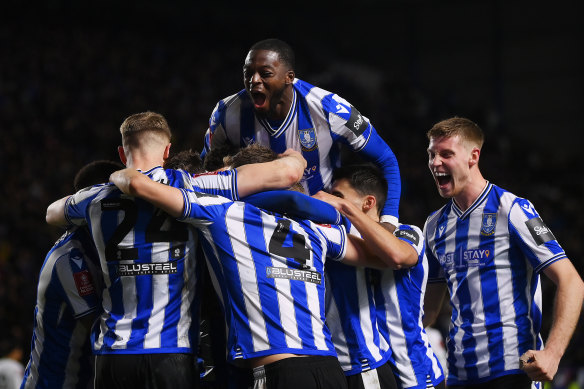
71	72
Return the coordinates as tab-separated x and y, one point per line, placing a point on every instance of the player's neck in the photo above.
471	192
283	108
143	164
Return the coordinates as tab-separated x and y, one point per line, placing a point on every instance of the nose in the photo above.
255	79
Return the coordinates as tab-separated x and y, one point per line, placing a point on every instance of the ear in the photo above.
290	75
474	157
166	152
122	155
369	203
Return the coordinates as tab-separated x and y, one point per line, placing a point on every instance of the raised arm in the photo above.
278	174
378	152
383	244
134	183
542	365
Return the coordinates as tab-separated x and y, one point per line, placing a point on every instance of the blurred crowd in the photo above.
64	91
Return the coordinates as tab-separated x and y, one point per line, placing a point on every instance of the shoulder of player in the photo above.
434	215
317	97
230	101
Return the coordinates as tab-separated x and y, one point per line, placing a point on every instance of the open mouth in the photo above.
259	99
442	178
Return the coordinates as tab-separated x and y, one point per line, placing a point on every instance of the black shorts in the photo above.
301	373
146	371
380	378
511	381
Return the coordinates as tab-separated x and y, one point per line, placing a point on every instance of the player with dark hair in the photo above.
216	159
489	247
148	331
94	173
387	303
187	160
68	301
279	111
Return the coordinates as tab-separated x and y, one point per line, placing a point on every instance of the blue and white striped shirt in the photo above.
315	125
68	290
149	265
351	316
399	295
491	256
268	272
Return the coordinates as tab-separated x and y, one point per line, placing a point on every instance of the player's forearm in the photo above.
56	213
391	250
278	174
134	183
567	307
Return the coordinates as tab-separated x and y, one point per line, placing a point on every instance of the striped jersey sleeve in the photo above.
534	238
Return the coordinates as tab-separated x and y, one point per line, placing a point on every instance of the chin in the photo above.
445	193
262	112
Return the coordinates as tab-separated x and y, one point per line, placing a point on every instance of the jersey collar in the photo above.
276	132
479	200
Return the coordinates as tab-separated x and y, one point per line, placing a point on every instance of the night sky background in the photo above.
70	73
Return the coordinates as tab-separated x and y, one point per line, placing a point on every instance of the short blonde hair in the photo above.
137	125
466	129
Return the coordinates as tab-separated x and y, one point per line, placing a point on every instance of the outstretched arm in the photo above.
383	244
542	365
278	174
134	183
295	204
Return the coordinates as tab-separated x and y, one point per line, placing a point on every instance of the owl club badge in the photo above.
307	139
489	222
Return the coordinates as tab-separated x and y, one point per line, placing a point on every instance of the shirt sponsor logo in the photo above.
307	139
489	223
308	172
441	231
142	269
356	123
409	235
528	208
465	258
84	283
539	231
294	274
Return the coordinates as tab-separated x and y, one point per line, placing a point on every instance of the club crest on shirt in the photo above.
307	139
489	222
